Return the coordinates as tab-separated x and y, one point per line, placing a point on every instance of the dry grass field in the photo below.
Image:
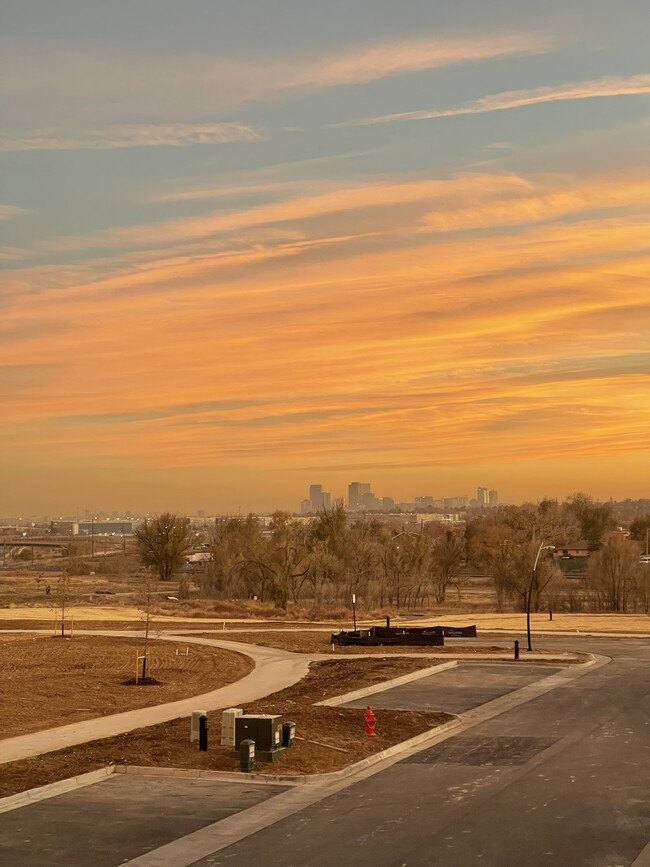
637	623
50	681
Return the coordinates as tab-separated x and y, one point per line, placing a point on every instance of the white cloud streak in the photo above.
602	87
144	135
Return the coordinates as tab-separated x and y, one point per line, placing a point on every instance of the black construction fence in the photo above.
380	636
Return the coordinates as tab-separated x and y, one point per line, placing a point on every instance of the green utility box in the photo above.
265	730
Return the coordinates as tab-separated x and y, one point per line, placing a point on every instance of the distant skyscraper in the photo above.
305	507
356	490
316	497
387	504
493	498
482	496
369	501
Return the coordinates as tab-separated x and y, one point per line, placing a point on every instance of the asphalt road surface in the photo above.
562	779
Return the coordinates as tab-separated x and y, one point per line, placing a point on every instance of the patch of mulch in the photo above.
167	745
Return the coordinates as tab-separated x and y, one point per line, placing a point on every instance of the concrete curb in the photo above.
338	700
158	773
291	779
51	790
467	720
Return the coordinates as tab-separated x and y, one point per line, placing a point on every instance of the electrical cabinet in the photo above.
228	718
265	730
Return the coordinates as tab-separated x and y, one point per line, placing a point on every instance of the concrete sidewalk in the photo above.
274	670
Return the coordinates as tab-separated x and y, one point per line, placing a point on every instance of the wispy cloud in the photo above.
533	209
143	135
10	254
397	58
602	87
8	212
42	83
345	198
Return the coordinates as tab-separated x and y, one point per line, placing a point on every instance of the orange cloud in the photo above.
345	199
529	209
376	347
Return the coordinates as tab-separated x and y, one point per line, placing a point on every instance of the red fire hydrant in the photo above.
371	721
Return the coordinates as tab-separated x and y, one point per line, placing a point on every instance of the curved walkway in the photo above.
274	670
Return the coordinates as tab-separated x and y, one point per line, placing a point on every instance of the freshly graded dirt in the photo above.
319	642
167	745
48	681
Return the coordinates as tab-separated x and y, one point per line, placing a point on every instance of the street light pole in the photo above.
533	576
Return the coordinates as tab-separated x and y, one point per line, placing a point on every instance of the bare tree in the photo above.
162	543
444	565
146	601
613	570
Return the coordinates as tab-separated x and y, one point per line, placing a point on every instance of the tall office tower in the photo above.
316	497
482	496
462	502
493	498
369	501
356	490
387	504
327	500
305	507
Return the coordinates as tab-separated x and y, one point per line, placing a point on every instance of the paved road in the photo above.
561	780
104	825
458	689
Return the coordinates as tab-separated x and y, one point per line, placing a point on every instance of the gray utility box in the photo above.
265	730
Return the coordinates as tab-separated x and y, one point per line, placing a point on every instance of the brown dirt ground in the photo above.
47	681
167	745
116	616
319	642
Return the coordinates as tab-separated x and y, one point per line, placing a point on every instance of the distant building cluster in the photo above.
114	527
361	498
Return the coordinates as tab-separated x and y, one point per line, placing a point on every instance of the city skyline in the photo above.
246	246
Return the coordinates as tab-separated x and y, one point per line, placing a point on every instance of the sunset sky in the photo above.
249	245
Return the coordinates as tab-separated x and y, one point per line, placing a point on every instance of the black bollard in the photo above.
247	756
550	614
203	732
388	623
516	650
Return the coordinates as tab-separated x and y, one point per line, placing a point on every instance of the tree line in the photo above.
407	566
